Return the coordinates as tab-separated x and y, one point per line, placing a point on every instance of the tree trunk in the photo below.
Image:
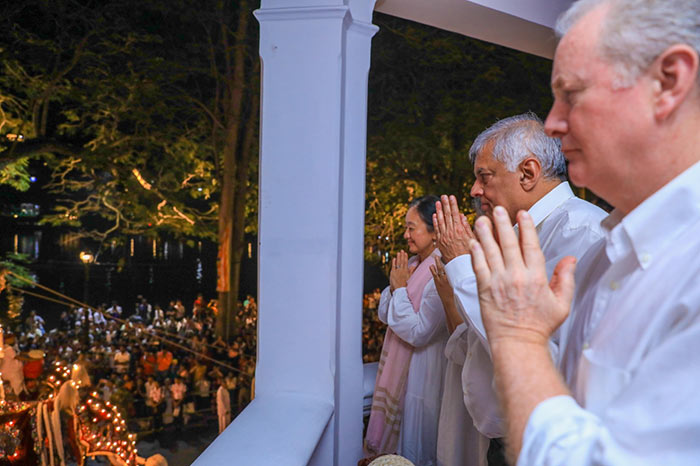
235	174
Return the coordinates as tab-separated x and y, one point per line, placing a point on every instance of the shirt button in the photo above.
614	285
586	346
646	257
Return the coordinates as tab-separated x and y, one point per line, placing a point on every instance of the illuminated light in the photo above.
87	258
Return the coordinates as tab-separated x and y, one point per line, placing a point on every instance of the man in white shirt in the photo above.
115	309
121	360
517	165
627	110
223	406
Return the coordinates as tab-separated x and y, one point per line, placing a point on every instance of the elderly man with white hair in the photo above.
518	166
627	110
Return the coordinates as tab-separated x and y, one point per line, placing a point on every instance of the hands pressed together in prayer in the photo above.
400	273
517	301
452	229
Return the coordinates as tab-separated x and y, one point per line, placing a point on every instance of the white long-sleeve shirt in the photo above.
631	355
566	226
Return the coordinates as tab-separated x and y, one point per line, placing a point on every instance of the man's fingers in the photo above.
449	224
506	238
480	266
489	246
467	227
530	242
454	210
562	283
440	215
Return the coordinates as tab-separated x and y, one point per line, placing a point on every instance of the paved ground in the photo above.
180	451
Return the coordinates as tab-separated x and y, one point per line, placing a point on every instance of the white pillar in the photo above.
312	179
308	401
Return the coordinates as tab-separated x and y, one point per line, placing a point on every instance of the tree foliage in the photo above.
120	97
431	93
145	111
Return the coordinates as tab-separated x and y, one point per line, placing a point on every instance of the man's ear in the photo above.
529	171
675	74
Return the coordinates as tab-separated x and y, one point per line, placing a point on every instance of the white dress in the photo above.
426	331
459	441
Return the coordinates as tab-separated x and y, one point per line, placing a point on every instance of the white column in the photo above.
315	59
349	367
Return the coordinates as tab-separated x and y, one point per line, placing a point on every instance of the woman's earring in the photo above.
434	243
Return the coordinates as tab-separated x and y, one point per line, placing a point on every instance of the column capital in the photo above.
302	12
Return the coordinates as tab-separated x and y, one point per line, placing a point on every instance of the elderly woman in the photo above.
408	390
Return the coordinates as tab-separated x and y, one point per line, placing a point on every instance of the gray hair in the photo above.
635	32
518	137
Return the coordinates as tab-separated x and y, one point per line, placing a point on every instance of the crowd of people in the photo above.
130	358
162	366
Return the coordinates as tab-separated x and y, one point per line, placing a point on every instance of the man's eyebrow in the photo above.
564	81
558	82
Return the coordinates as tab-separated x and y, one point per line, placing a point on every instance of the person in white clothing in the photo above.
627	110
518	166
121	360
459	442
223	406
413	311
11	368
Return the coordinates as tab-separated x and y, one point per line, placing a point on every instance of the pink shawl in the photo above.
390	387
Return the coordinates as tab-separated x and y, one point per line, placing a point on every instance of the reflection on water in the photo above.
27	244
159	269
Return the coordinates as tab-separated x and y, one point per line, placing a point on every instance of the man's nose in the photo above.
556	124
476	190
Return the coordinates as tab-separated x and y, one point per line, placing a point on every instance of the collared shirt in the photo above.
631	355
566	226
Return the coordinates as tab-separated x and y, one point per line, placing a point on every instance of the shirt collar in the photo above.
553	199
658	220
